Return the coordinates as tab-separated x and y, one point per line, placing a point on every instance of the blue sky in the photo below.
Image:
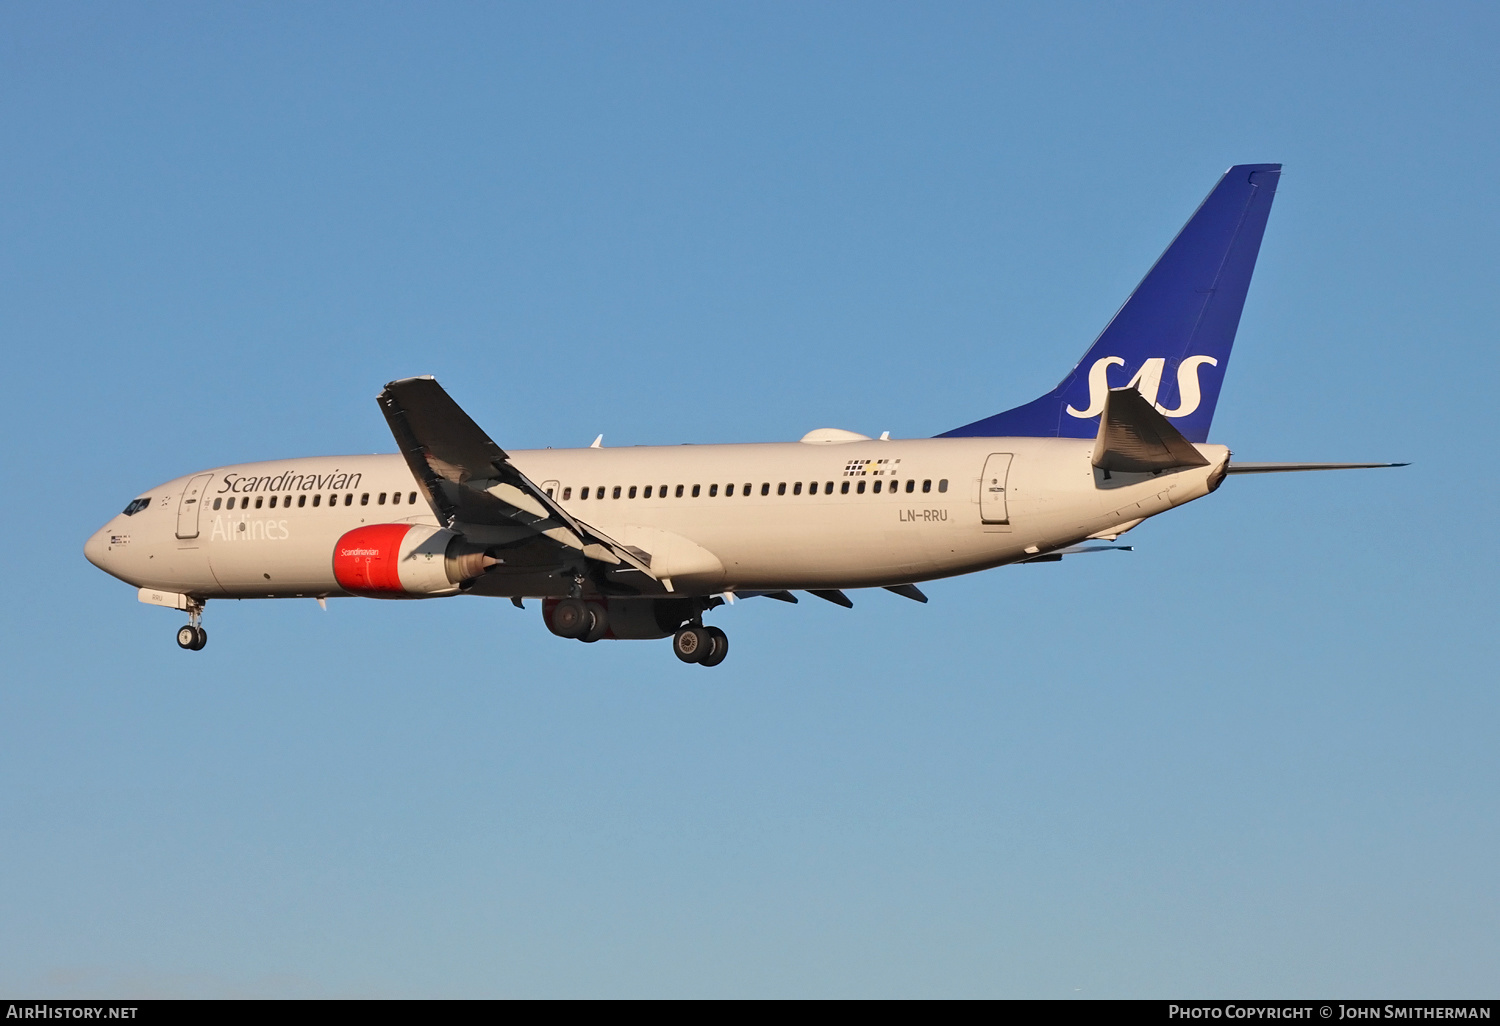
1254	757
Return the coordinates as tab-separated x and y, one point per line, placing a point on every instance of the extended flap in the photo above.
1135	438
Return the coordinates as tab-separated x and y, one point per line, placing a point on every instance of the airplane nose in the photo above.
97	550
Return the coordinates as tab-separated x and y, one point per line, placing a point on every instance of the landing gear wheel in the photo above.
718	647
570	619
202	640
599	625
692	644
187	637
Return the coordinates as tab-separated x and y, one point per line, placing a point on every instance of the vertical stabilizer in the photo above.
1171	339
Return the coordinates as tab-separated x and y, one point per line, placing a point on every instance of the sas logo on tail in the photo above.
1147	381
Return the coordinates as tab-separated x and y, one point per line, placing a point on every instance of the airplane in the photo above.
641	542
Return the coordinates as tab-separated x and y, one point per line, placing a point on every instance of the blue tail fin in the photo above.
1171	339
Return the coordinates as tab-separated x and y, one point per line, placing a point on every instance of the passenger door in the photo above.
189	505
992	507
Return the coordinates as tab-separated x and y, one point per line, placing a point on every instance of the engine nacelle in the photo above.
401	560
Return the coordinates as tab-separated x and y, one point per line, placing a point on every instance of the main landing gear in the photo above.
706	646
590	620
191	635
575	618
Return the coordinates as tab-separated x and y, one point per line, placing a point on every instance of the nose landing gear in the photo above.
191	635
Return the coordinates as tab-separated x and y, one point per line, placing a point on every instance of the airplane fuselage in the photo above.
756	517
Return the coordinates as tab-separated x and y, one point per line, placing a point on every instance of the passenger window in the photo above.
583	493
349	499
861	488
567	493
218	503
747	489
679	491
616	493
412	498
647	493
695	490
302	500
272	503
781	488
287	502
765	488
599	492
797	488
632	491
845	488
380	500
943	485
662	491
877	486
317	499
364	500
927	485
911	485
395	498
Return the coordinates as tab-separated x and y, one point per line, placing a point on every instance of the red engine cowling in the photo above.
402	560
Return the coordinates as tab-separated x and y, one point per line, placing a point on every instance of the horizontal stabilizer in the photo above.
1076	550
1135	438
1235	467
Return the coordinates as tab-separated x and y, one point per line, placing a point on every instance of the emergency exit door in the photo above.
992	506
189	505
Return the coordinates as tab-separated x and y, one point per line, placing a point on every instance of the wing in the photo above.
475	489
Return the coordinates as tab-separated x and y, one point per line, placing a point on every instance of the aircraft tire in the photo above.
570	619
187	637
202	640
598	625
718	647
692	644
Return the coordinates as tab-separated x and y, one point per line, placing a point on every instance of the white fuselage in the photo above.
746	518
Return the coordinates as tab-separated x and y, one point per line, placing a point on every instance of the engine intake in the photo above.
400	560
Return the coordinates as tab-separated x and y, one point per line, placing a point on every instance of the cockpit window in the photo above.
137	505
